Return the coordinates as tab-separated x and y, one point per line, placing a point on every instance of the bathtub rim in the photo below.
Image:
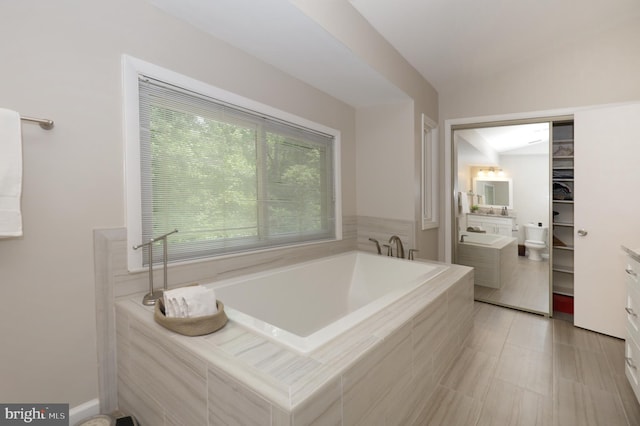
307	344
500	241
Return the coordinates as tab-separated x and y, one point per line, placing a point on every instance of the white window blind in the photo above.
228	178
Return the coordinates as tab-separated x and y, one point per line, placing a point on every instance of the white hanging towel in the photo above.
463	202
10	173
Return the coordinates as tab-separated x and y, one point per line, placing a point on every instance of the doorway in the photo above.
501	215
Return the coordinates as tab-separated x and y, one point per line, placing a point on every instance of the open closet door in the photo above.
607	213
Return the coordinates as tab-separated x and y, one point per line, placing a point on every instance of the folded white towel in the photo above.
190	302
10	173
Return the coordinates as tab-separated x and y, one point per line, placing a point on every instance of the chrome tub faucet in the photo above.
373	240
399	247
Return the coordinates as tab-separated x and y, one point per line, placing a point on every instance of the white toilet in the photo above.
535	238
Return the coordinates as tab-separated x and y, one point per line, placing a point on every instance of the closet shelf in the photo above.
569	248
563	268
563	182
563	291
567	224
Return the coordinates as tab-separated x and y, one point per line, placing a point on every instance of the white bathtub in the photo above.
307	304
484	239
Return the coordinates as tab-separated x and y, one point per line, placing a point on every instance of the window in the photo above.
230	174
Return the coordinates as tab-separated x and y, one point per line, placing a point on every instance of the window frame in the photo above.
429	184
131	69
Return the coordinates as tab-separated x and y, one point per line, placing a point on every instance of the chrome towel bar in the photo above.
45	123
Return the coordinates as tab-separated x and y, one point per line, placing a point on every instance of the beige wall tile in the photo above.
324	409
430	332
407	398
165	370
133	399
366	382
122	342
280	417
446	355
231	403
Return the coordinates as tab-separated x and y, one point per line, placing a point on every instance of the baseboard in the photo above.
84	410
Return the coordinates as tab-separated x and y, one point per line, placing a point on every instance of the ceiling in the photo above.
520	139
447	41
278	33
451	40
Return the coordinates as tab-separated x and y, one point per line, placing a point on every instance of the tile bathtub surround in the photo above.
382	229
384	369
113	280
112	274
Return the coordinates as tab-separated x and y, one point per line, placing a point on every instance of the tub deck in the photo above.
307	304
494	260
386	366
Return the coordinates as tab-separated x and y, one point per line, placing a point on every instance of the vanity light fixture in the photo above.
491	172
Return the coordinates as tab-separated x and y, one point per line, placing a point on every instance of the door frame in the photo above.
451	173
446	242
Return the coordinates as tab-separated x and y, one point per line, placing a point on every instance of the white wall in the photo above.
384	164
530	176
598	70
342	21
62	61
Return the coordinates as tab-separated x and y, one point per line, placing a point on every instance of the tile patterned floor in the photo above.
522	369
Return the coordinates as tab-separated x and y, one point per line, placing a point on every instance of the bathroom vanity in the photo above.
493	224
632	308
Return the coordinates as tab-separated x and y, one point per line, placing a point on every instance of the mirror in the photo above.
493	192
507	271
